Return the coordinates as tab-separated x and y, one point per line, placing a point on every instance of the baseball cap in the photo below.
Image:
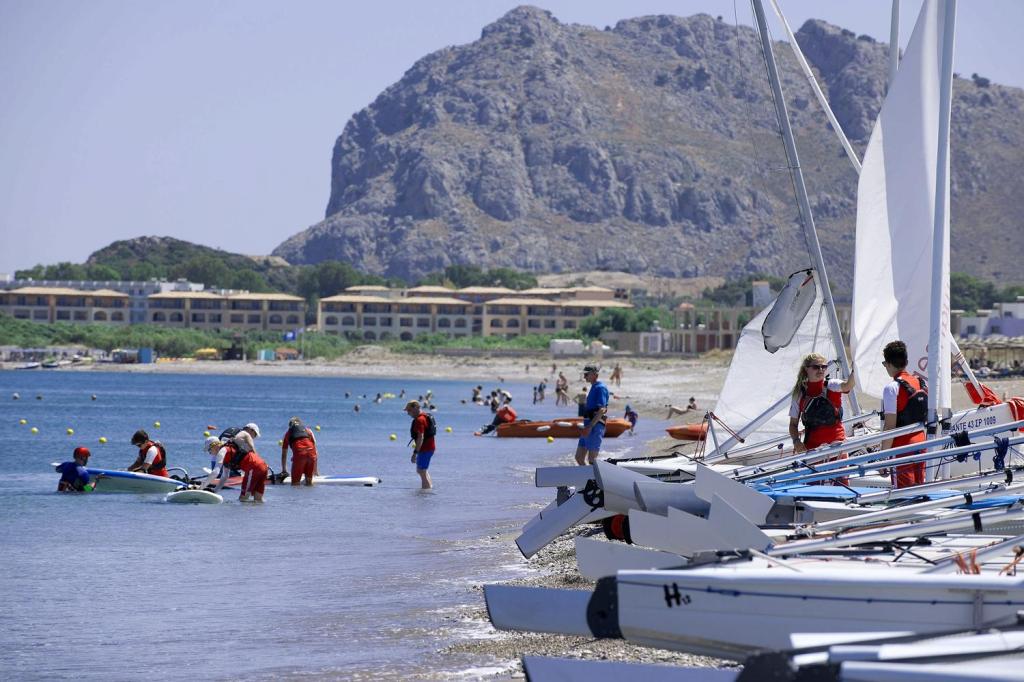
254	428
591	368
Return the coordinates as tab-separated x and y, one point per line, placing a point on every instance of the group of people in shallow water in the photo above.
816	403
232	454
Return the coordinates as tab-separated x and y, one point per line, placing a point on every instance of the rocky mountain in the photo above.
649	147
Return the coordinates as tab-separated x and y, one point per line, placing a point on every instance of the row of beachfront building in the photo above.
364	312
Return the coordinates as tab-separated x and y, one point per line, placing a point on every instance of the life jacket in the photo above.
298	432
819	410
228	436
914	398
506	414
234	456
429	432
161	458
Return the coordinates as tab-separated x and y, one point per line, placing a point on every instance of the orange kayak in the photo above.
558	428
698	431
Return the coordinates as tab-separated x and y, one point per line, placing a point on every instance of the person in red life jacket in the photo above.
152	457
421	432
236	458
505	415
904	402
300	439
818	403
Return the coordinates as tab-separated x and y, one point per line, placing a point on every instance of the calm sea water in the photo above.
317	583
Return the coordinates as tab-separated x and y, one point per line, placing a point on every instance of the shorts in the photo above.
255	481
302	465
423	459
592	443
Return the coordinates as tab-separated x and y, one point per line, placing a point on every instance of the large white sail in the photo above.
757	379
895	219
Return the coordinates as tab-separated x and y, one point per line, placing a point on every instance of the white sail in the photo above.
757	379
895	219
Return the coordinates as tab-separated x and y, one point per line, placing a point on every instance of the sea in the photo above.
316	583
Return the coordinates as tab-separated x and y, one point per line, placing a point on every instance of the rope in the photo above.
1011	568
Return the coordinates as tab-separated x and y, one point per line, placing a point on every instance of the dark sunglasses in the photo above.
821	367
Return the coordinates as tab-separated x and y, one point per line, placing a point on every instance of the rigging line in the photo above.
759	163
789	166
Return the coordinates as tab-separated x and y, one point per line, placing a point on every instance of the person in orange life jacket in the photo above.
818	402
904	401
152	457
423	449
504	415
74	478
304	454
233	456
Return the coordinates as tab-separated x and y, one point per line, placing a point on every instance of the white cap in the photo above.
212	440
255	429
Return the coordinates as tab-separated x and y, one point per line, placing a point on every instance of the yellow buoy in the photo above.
317	427
447	429
35	430
156	424
206	434
393	437
71	431
551	439
103	439
23	421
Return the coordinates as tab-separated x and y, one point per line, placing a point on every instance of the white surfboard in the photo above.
789	310
115	481
194	496
367	481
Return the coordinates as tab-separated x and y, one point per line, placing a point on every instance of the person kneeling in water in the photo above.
74	478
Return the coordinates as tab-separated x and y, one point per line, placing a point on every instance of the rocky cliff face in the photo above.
650	147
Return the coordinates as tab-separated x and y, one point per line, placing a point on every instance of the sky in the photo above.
213	121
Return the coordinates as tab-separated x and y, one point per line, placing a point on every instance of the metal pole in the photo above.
810	235
940	234
894	44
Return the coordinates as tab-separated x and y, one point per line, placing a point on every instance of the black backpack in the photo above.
429	432
916	409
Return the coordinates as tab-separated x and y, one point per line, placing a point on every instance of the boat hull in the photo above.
559	428
114	481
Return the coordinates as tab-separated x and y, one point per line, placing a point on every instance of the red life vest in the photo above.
820	431
911	399
160	462
506	414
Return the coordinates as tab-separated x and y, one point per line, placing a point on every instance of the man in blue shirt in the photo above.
73	475
594	413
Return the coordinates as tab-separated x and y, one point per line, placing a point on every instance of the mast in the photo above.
939	319
810	234
894	43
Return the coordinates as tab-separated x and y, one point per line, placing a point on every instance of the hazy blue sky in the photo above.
213	121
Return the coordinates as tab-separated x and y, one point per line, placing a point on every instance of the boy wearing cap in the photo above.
421	432
594	413
74	477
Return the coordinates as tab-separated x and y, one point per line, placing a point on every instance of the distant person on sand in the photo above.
152	458
631	416
504	415
554	368
817	401
300	439
421	432
596	409
616	375
74	478
690	407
